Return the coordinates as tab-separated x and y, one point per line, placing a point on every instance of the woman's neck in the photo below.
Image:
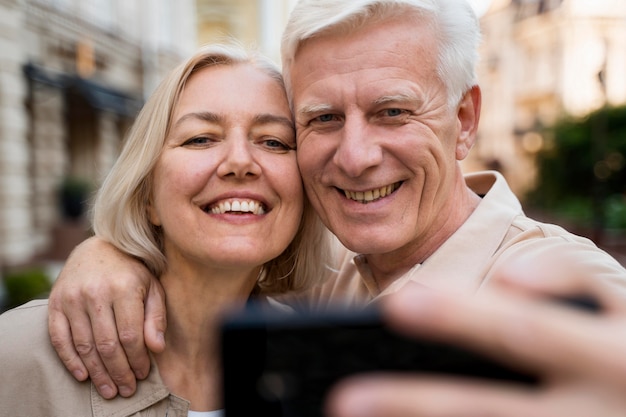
195	301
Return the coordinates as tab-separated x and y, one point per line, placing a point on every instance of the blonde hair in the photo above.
120	215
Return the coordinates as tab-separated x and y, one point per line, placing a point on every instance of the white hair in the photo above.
454	22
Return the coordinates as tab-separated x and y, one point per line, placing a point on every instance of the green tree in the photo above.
582	170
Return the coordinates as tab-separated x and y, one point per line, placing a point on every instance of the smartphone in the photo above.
278	364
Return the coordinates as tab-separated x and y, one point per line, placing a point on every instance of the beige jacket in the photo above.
34	382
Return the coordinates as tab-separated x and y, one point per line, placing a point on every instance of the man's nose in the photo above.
358	148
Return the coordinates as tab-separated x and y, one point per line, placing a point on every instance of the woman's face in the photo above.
227	191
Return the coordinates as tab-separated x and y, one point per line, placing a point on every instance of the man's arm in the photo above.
578	355
97	321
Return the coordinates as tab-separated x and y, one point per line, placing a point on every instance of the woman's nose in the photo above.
239	160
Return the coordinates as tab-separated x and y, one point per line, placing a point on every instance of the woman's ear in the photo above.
468	113
153	215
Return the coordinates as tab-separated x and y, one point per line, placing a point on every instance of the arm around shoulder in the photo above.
103	304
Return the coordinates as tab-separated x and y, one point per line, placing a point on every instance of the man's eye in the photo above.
393	112
325	121
324	118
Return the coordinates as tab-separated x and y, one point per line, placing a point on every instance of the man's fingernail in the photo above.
125	391
79	375
106	391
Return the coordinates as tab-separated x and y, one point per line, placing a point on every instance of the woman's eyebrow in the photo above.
204	116
268	118
260	119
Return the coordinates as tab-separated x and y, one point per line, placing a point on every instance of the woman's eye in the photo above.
276	144
198	141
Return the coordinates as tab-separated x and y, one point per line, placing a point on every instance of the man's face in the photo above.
377	142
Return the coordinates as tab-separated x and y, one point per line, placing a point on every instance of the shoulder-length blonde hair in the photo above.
119	213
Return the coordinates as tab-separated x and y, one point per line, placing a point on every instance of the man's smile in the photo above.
371	195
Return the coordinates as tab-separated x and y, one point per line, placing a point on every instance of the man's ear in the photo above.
468	113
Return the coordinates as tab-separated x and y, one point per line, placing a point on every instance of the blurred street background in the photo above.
74	73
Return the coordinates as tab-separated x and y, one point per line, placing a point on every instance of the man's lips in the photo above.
374	194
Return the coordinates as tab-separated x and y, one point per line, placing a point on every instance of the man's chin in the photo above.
367	244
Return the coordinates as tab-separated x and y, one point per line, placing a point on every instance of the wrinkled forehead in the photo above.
378	45
352	27
232	92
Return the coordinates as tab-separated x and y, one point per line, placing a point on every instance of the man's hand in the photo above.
578	355
97	321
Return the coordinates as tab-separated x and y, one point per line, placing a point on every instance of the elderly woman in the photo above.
207	193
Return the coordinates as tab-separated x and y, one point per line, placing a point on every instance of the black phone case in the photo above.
277	364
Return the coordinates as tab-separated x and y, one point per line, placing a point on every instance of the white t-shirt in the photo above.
216	413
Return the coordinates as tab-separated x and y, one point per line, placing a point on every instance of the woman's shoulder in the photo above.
23	319
30	307
40	384
24	330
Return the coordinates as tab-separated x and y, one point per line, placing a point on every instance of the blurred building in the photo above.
258	23
73	74
542	60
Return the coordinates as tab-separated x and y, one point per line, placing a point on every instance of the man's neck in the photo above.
388	267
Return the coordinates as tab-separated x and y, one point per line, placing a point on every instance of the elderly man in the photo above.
386	105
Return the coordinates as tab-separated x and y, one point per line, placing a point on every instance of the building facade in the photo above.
73	74
257	23
543	60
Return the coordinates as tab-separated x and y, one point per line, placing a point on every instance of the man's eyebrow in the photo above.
310	109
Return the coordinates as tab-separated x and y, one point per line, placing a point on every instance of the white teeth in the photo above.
371	195
238	206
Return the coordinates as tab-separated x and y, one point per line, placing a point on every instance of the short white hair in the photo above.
454	21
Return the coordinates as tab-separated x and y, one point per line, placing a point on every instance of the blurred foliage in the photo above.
74	194
24	285
582	170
